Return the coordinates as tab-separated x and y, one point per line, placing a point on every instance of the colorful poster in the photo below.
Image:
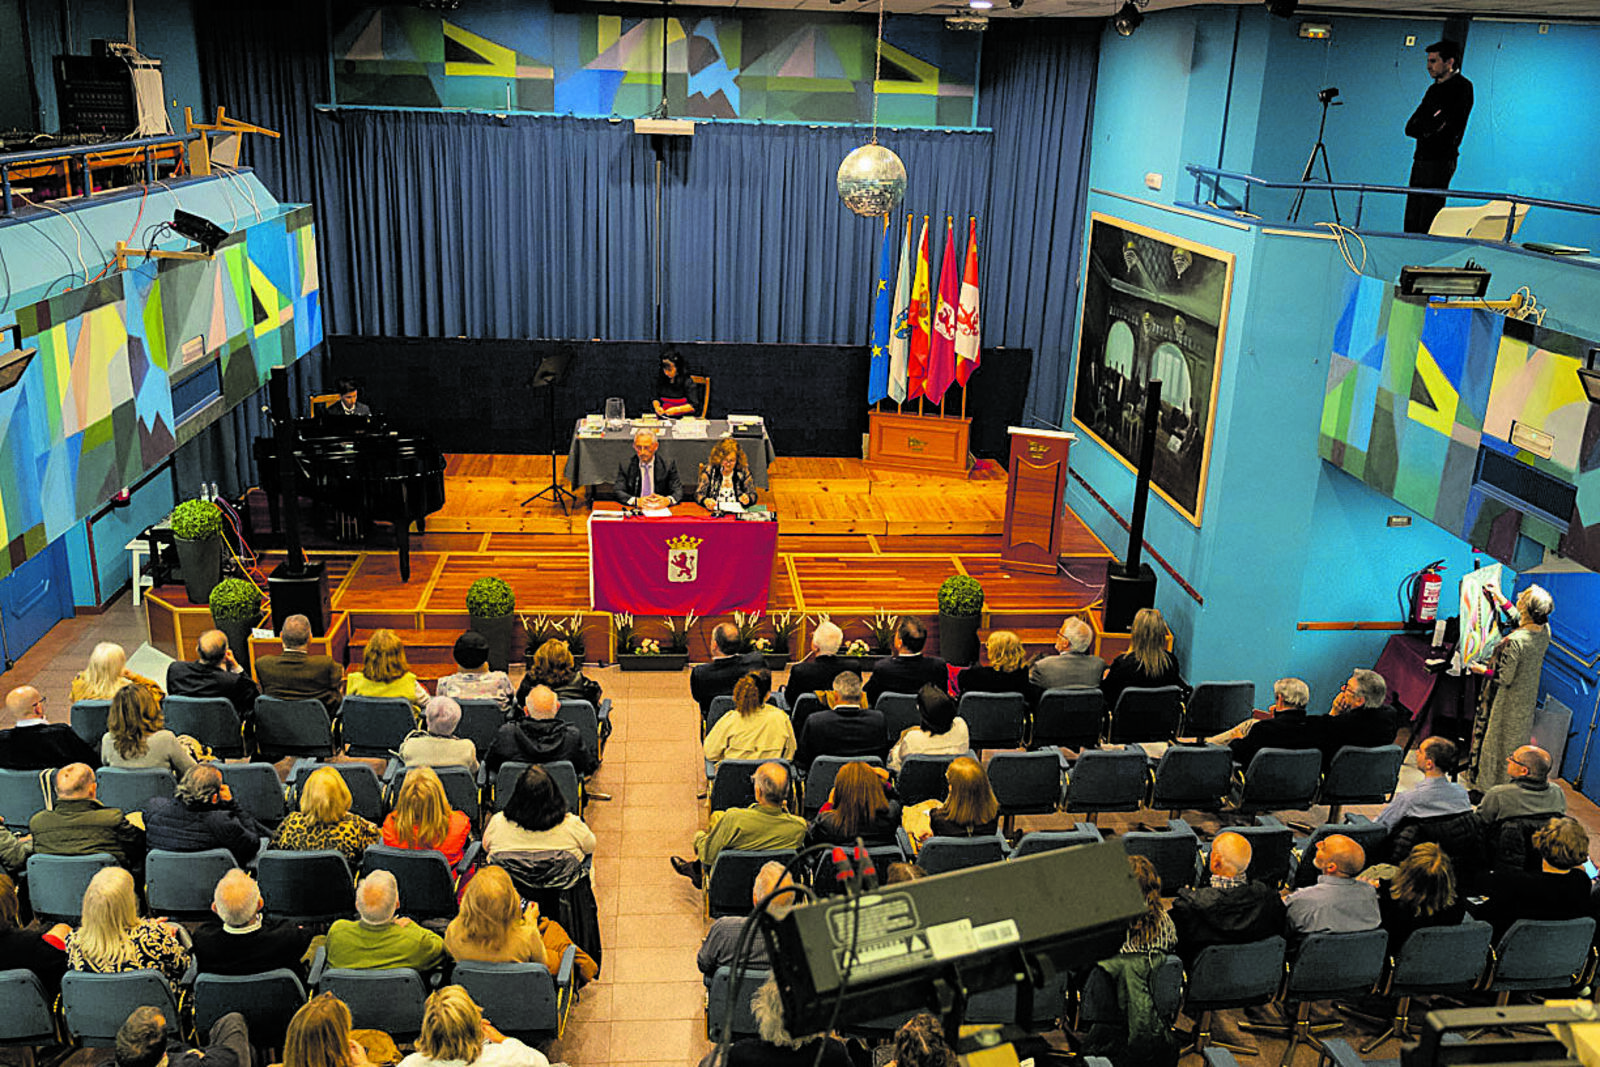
1478	630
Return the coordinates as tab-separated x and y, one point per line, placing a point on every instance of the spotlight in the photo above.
980	5
202	232
1282	8
1126	20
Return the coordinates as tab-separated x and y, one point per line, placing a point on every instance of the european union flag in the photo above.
882	315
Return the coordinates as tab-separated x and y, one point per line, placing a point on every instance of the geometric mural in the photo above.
95	408
1416	395
509	55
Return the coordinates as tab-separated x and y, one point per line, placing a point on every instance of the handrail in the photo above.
86	151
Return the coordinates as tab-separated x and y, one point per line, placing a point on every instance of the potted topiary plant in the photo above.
960	614
492	606
197	535
235	610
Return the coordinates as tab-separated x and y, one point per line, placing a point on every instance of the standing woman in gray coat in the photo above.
1504	722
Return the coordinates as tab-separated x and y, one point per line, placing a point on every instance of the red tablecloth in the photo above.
1438	703
671	566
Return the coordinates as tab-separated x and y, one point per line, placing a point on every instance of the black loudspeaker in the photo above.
1126	594
305	593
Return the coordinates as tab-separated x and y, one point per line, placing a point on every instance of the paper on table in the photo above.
657	513
731	507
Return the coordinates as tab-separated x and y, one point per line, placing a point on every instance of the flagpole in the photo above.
971	220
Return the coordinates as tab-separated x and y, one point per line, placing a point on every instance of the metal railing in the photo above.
139	150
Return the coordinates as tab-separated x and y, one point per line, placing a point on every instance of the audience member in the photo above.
766	824
215	673
1231	909
423	818
106	673
1421	893
27	949
553	665
537	818
79	825
454	1032
494	926
1153	931
722	939
1559	889
380	939
816	673
475	681
1436	794
1290	697
1007	672
908	670
1147	664
920	1042
970	808
775	1047
136	735
896	873
298	675
319	1036
14	851
144	1040
752	730
541	737
242	939
325	820
113	938
1529	792
438	745
848	728
202	814
384	672
941	732
717	678
1361	715
1073	664
1338	903
857	807
35	743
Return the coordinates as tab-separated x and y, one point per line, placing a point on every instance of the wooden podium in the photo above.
1035	499
928	443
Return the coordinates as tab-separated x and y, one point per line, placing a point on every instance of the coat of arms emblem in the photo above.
683	558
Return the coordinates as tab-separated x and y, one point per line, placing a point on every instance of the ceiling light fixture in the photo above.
1127	19
980	5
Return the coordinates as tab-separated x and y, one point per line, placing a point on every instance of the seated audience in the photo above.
537	819
455	1033
766	824
298	675
553	665
857	807
325	820
202	814
438	745
1007	671
215	673
1530	791
941	733
106	673
79	825
112	937
1153	931
1231	909
136	734
423	818
384	672
970	808
242	939
1559	889
847	728
1338	903
722	939
14	851
1421	893
817	671
494	926
920	1042
35	743
319	1036
1436	794
725	483
380	939
541	737
1361	715
144	1040
908	670
1073	664
475	681
775	1047
29	949
1290	697
752	730
717	678
1147	664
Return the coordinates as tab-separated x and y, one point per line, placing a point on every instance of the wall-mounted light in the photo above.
1316	31
1127	19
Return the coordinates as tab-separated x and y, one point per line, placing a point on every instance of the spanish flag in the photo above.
921	312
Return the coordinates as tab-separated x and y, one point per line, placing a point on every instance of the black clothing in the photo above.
818	673
206	680
1287	729
1400	923
1459	834
1232	916
708	491
176	826
276	944
907	674
1517	895
754	1052
578	687
625	488
1358	728
943	827
1437	124
717	678
541	741
842	731
227	1045
684	388
52	744
990	680
825	830
1422	208
1124	672
27	950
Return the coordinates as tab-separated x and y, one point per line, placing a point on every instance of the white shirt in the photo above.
507	1053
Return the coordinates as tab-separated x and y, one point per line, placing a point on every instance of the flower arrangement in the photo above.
857	647
647	646
542	628
762	645
785	624
622	627
678	630
748	624
882	627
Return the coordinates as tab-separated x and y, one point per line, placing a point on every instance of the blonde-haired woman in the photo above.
1147	664
325	820
106	673
1007	671
136	734
423	818
493	926
385	673
319	1036
754	729
113	938
725	478
970	809
454	1031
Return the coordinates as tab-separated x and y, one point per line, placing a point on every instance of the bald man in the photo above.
241	939
381	940
1231	909
79	825
34	742
766	824
648	480
1529	792
541	737
216	673
1338	903
297	674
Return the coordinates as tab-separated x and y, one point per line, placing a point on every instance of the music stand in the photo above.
551	372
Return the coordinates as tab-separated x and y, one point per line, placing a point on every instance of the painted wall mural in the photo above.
773	66
1421	405
131	367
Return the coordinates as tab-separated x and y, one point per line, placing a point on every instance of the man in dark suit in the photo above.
817	673
908	670
848	728
35	743
1361	715
215	674
298	675
645	481
711	680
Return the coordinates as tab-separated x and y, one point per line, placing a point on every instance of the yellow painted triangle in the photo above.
270	299
498	60
926	74
1442	418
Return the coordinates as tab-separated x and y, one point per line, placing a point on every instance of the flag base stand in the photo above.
930	444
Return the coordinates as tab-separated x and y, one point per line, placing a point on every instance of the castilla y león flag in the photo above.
967	311
942	352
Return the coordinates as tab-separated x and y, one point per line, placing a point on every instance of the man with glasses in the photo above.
1073	664
646	481
1530	791
34	742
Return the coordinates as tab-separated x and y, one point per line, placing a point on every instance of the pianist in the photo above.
348	411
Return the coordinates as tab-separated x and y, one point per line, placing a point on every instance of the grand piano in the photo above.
360	468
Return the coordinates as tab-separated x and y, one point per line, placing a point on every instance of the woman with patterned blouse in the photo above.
325	820
113	938
475	681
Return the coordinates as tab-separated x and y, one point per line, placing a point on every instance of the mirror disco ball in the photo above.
872	180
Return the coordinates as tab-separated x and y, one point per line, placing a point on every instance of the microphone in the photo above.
1048	424
868	870
844	872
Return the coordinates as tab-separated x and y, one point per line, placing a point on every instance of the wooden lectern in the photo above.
1035	499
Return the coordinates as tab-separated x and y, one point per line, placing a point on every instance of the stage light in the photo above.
1468	281
202	232
1127	19
1282	8
980	5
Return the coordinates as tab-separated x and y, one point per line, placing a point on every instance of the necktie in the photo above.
647	479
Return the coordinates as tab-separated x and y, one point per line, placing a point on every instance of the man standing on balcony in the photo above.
1437	126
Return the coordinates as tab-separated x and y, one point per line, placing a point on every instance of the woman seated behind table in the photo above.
677	393
475	681
857	807
1559	889
1007	671
493	926
752	730
136	734
1422	892
106	673
553	664
325	819
113	938
438	745
536	819
1147	664
423	818
454	1032
384	672
725	478
969	809
941	733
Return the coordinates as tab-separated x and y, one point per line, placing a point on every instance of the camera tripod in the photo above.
1318	151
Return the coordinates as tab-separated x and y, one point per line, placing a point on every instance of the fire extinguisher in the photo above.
1425	586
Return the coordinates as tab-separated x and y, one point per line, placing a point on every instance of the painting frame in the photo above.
1152	300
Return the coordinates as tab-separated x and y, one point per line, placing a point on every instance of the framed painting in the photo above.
1155	308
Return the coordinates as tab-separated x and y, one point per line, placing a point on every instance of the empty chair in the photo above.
1324	967
89	720
130	788
460	786
426	882
1280	779
720	705
1231	976
1147	714
825	879
994	720
1369	835
1218	706
375	726
292	728
922	778
733	877
1044	840
819	779
1111	779
732	785
56	884
1433	960
267	1001
480	721
722	997
179	884
1360	776
257	789
306	887
1482	222
1192	778
366	791
387	999
1175	852
1025	783
941	854
27	1020
1270	845
1540	956
804	705
524	1000
1072	717
900	713
582	714
21	796
95	1006
210	720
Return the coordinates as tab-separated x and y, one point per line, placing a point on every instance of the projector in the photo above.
978	23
